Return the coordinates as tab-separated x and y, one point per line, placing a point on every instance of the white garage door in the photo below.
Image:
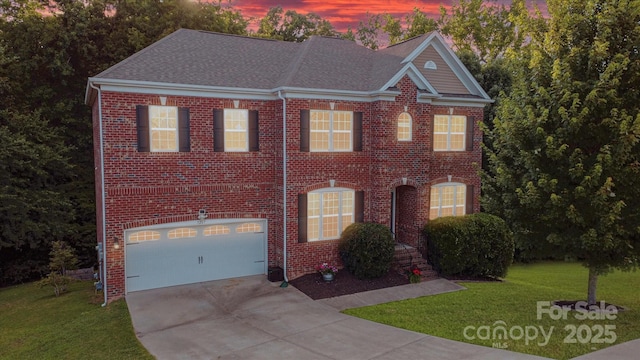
184	253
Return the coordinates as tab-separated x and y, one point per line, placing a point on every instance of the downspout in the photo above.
285	283
104	207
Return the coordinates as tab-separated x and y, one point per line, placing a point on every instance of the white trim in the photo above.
452	61
414	74
156	88
454	101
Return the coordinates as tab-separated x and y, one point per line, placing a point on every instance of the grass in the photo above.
34	324
514	302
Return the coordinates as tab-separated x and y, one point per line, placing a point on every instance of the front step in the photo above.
407	256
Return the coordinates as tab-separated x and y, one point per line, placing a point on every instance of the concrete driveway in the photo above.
251	318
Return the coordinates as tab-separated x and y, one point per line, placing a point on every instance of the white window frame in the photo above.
152	113
449	133
455	206
321	216
331	131
410	126
245	112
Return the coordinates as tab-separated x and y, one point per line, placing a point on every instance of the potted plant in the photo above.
328	271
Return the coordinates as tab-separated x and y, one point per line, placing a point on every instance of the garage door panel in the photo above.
168	262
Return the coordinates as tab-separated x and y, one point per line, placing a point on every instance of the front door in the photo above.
404	201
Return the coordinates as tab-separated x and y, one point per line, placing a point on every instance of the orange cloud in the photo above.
341	13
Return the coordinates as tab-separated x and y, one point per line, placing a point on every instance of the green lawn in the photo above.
482	306
34	324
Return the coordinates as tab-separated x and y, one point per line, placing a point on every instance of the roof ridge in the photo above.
237	35
298	61
409	39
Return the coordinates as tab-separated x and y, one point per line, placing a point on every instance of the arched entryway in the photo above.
404	212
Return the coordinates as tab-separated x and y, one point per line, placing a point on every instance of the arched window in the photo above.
447	199
404	127
146	235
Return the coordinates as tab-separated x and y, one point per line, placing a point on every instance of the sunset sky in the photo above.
345	13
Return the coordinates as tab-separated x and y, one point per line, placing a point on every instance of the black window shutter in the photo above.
357	131
184	140
304	130
358	208
218	130
142	123
254	144
302	218
470	125
469	200
433	132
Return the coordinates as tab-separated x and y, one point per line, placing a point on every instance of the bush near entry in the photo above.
475	245
367	249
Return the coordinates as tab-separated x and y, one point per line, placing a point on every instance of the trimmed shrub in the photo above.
475	245
367	249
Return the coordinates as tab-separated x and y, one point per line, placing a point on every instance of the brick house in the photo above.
217	154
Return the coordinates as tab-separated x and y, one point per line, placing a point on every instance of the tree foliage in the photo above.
566	154
293	26
46	56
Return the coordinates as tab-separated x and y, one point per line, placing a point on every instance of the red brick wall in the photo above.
150	188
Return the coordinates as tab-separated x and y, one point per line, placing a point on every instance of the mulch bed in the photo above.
344	283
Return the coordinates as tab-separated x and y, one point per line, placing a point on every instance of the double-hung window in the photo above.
449	133
448	199
162	128
235	130
329	212
331	130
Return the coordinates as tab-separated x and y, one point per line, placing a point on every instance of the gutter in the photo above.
104	214
285	283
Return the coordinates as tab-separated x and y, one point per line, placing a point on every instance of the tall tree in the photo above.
368	31
566	139
46	55
483	27
293	26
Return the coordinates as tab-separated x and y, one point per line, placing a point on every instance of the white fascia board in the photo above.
466	102
415	76
345	95
146	87
143	87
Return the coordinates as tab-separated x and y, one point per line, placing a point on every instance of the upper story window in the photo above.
329	212
404	127
447	199
235	130
162	128
330	131
449	133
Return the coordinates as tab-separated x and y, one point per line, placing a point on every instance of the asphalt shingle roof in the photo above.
194	57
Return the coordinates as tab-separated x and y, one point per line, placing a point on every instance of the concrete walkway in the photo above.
251	318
